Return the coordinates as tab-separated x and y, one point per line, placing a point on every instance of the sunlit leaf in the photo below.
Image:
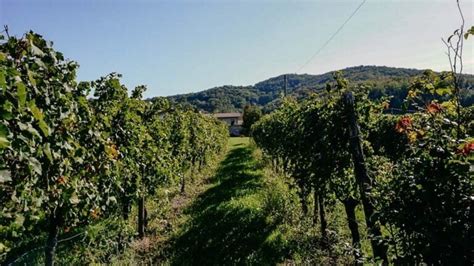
35	50
47	152
3	83
19	219
74	199
29	128
4	143
21	94
5	176
443	91
37	114
44	127
31	78
35	165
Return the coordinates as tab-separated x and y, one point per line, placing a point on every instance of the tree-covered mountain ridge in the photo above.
382	81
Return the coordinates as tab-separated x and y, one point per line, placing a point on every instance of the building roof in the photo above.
228	115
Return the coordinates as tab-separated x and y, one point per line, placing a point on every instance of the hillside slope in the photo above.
382	80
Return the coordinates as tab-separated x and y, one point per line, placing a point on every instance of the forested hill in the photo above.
382	80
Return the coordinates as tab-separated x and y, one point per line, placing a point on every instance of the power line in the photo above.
332	36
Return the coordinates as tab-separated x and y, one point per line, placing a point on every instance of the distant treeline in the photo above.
379	80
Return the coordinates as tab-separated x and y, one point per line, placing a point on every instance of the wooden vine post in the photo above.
141	217
52	241
362	177
142	209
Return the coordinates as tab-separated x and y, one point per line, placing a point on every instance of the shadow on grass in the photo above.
227	225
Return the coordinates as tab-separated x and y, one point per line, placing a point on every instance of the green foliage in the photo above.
68	161
45	116
470	31
251	115
428	197
421	163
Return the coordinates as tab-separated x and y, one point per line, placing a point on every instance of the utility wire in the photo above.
332	37
41	247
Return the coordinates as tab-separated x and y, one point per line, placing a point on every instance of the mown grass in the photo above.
239	212
248	216
235	142
228	224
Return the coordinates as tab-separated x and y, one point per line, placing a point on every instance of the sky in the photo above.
180	46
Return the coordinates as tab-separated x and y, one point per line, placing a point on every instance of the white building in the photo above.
234	120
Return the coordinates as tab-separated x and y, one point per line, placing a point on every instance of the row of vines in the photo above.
411	175
67	160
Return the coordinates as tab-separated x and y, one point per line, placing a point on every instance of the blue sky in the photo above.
183	46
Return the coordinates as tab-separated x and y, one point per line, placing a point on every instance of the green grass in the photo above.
238	141
250	215
228	223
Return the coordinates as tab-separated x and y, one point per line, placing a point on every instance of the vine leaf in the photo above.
19	219
5	176
31	78
4	143
74	199
38	115
469	32
35	50
47	152
3	82
44	127
21	94
3	131
36	111
35	165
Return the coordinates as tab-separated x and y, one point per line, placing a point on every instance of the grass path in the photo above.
227	223
243	213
